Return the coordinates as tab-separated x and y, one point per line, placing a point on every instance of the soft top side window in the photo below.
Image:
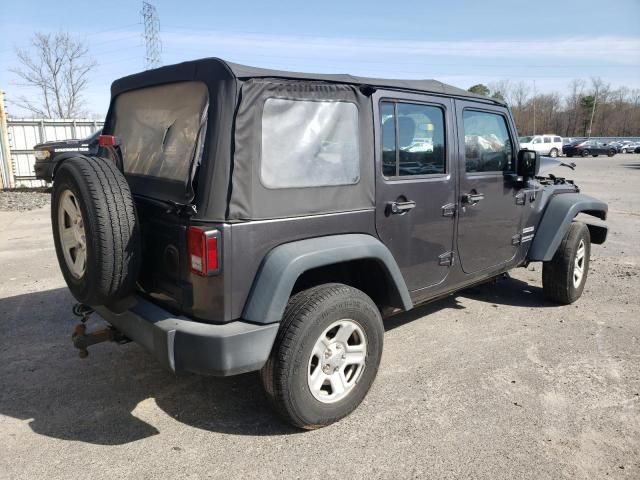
309	143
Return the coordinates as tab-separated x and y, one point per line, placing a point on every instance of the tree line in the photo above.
589	108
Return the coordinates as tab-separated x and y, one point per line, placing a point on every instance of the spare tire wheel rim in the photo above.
72	235
578	265
337	361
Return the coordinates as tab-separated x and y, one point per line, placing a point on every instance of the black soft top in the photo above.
230	186
218	69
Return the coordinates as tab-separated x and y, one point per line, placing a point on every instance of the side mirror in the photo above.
528	163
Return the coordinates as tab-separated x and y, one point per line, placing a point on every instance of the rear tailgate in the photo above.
166	276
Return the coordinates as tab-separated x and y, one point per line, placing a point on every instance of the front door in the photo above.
490	203
415	185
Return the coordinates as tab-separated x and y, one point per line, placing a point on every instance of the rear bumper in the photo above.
183	345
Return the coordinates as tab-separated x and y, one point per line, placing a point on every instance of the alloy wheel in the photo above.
337	361
72	234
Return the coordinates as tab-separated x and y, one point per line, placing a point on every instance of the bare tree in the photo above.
57	66
573	105
502	90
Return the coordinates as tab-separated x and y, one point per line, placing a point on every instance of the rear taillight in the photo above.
107	141
203	251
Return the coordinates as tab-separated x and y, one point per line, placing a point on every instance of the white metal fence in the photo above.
25	133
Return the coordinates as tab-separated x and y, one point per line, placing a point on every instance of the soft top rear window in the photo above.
161	129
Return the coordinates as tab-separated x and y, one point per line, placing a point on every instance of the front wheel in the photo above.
585	153
325	357
553	153
564	276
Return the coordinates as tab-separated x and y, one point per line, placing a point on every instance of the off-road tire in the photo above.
110	225
557	274
307	315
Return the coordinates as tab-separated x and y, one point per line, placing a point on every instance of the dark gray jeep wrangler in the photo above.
240	219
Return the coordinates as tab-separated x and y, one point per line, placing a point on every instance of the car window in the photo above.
537	140
525	139
161	128
387	116
488	147
557	139
309	143
547	139
413	141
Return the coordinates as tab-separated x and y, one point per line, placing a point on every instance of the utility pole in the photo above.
593	110
151	35
6	167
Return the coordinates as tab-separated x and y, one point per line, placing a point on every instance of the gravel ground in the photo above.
490	383
23	200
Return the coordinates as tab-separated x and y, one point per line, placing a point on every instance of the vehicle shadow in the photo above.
509	291
631	165
114	396
505	290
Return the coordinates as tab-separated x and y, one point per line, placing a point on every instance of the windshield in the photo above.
525	139
160	129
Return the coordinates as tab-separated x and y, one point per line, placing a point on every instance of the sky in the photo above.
458	42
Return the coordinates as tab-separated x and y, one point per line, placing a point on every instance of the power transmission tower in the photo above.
151	35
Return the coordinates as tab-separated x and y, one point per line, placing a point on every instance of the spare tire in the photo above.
95	230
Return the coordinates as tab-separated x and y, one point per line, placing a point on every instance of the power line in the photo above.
151	35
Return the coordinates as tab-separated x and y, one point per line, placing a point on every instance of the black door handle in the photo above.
472	198
400	208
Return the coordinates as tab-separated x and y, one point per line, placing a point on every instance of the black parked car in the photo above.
585	148
240	219
49	154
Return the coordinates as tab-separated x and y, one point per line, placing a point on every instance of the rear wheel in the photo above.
564	276
611	153
95	230
326	355
553	153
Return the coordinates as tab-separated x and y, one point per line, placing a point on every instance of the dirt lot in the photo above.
491	383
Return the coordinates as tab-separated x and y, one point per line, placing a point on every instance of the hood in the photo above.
547	164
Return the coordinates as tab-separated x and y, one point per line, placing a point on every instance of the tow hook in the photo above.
82	340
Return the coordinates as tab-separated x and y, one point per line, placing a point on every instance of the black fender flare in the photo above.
283	265
59	158
558	215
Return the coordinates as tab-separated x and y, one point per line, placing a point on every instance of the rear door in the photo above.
415	183
491	204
